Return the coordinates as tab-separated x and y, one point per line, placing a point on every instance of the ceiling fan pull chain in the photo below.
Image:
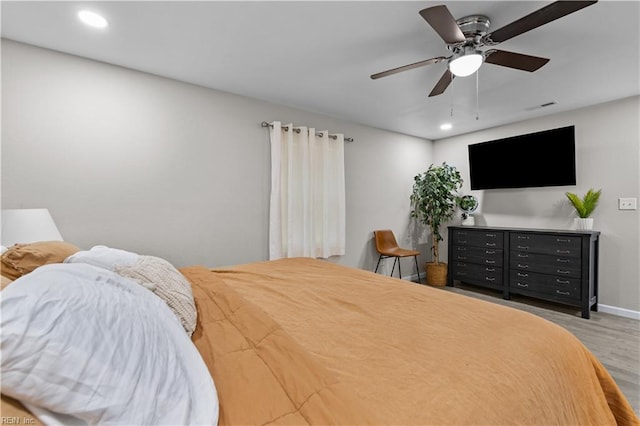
451	96
477	97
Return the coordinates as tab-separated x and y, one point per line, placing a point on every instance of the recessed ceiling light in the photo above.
92	19
446	126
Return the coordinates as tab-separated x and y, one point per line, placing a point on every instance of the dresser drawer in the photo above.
481	255
471	272
564	245
547	259
489	239
558	287
546	264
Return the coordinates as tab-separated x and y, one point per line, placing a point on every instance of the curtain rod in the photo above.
297	130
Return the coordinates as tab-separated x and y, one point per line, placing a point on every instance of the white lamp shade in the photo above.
25	226
465	65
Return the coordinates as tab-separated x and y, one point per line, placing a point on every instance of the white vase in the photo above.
584	223
469	221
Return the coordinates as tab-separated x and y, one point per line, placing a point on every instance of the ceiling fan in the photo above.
464	38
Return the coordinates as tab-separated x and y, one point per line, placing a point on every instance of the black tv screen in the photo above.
538	159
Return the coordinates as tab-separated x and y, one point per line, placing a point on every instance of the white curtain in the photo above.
307	210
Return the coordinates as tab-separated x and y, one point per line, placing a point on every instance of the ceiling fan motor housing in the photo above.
474	27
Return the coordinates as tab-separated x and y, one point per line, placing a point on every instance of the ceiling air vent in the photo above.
548	104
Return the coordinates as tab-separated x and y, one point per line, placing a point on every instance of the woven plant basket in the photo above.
436	274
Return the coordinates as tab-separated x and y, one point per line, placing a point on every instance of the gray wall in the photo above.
160	167
607	157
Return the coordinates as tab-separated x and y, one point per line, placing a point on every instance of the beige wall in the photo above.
153	165
607	157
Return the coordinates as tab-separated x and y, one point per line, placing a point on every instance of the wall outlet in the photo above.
627	204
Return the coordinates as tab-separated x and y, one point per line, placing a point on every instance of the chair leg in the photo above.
417	269
379	259
399	270
395	259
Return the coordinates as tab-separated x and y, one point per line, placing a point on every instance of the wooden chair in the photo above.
387	246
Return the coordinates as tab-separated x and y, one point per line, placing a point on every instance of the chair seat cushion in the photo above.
400	252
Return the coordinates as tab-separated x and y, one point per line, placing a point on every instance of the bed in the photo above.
304	341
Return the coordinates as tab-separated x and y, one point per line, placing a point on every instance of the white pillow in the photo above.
104	257
83	343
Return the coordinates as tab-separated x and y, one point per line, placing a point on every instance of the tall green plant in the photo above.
586	205
434	199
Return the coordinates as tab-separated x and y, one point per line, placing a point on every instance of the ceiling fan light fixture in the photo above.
466	63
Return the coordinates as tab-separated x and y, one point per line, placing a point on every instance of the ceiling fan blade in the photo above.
444	23
442	84
408	67
535	19
514	60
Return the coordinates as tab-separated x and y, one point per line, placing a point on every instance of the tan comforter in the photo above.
383	351
301	341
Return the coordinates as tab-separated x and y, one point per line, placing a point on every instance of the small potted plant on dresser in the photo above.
584	208
433	200
468	204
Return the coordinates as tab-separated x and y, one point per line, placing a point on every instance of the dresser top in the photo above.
546	231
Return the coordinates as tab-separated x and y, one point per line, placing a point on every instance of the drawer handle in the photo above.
560	271
462	249
563	251
523	237
462	232
490	235
490	262
490	252
490	244
559	281
489	278
490	269
562	260
523	285
462	241
564	293
523	247
523	275
561	240
462	257
523	255
462	273
523	266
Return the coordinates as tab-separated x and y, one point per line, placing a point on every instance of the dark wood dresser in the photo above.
554	265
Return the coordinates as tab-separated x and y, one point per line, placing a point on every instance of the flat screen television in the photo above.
546	158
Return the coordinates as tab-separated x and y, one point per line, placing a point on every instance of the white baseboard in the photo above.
414	277
621	312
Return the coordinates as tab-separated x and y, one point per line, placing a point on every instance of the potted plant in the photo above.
584	207
468	204
433	200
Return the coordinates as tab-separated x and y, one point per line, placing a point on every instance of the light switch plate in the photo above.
627	204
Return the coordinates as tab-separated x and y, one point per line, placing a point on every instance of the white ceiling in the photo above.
318	56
